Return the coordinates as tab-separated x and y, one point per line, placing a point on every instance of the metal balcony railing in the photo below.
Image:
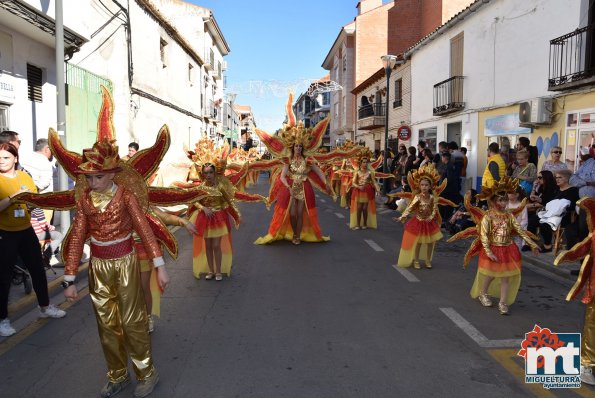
376	109
448	96
572	60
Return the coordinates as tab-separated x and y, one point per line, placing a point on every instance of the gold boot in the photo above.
416	264
428	265
503	308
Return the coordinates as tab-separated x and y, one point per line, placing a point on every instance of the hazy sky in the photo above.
276	44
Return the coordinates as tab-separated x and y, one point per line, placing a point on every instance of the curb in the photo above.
29	302
563	270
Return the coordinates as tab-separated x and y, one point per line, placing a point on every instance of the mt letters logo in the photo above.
552	359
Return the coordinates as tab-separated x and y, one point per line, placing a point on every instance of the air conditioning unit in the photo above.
536	111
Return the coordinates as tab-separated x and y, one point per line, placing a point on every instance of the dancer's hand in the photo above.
536	251
191	228
162	277
492	257
402	219
70	293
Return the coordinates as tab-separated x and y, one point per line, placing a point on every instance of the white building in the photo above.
163	59
489	57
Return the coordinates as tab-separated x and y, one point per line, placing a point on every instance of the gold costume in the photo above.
298	172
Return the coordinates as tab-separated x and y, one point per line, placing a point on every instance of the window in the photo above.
190	74
34	83
4	122
429	136
163	52
344	63
398	93
456	54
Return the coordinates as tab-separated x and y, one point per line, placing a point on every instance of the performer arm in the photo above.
409	209
283	176
484	235
374	182
171	219
75	244
142	227
320	174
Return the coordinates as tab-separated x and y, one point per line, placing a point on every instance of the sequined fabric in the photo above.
118	219
424	208
588	337
298	172
121	316
497	229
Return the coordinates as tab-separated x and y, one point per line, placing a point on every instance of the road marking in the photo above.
374	245
323	201
506	358
475	334
406	274
339	215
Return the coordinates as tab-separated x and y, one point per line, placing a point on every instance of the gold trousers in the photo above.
121	316
588	337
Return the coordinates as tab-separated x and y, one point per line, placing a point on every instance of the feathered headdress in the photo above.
500	188
206	154
291	133
426	172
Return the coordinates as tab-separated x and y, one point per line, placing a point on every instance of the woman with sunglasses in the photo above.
544	190
555	164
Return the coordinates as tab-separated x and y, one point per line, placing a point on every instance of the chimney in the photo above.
367	5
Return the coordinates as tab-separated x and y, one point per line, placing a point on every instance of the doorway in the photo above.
453	132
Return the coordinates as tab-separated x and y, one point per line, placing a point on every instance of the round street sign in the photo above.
404	132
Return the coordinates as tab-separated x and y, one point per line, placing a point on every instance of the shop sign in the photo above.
505	125
404	133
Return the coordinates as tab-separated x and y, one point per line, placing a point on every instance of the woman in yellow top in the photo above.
18	239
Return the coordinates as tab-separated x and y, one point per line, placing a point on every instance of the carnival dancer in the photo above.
212	245
499	266
423	230
295	173
111	198
585	282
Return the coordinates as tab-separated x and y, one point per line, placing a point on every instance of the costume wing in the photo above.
163	234
316	137
274	144
375	164
62	200
334	155
160	196
146	161
68	159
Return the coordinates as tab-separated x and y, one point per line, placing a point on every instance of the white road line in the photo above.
322	200
406	274
374	245
339	215
475	334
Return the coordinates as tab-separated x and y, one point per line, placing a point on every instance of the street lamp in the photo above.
231	97
388	62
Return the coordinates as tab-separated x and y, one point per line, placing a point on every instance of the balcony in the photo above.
448	96
371	116
209	59
571	59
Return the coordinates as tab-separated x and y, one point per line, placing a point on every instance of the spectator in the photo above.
428	157
442	146
465	162
495	168
544	190
401	161
46	233
461	219
132	149
526	172
10	137
555	163
569	219
451	192
410	165
41	169
525	144
514	201
584	180
421	145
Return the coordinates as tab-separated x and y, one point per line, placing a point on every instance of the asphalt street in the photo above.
333	319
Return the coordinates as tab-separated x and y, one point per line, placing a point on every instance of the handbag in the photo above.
527	186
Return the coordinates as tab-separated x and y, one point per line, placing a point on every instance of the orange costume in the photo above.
423	230
301	175
494	232
586	283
